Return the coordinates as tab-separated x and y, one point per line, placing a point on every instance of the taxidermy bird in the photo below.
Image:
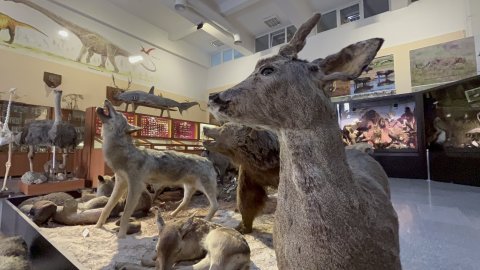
56	133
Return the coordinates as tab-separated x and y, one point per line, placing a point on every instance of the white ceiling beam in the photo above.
227	39
297	11
228	7
182	34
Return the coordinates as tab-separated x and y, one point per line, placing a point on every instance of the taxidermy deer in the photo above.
333	209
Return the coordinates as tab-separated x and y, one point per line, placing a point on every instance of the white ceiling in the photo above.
245	15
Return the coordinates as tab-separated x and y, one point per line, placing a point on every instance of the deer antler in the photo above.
128	85
297	43
114	84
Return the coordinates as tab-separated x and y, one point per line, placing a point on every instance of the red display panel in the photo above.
184	130
154	127
98	122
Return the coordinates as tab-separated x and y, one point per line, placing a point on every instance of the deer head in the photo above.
285	92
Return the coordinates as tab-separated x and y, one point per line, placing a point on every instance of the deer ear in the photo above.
187	227
132	129
349	63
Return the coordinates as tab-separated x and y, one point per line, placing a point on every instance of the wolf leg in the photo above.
188	192
118	191
210	190
135	190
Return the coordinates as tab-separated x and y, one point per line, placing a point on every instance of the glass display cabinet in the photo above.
452	131
390	125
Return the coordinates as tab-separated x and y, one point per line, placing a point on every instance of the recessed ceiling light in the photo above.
63	33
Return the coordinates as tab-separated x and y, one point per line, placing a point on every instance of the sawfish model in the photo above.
140	98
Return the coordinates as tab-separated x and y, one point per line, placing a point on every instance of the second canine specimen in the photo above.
333	211
134	168
257	153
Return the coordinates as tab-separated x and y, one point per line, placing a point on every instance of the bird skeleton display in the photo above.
6	137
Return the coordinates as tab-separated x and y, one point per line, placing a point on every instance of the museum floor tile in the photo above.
439	224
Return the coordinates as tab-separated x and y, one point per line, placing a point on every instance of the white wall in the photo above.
420	20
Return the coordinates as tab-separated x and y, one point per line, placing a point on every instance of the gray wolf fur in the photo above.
134	168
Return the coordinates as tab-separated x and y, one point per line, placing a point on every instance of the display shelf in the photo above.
131	118
50	187
185	130
452	131
155	127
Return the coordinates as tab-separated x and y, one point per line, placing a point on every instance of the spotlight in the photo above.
180	5
236	39
135	59
200	26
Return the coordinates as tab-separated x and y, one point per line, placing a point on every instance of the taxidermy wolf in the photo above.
134	168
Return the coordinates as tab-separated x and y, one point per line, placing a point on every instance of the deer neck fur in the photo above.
318	200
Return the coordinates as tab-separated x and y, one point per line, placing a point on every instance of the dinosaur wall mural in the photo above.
92	43
10	24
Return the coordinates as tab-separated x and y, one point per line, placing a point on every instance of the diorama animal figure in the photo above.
134	168
10	24
7	137
105	188
13	253
257	153
222	164
192	238
333	209
55	133
140	98
92	43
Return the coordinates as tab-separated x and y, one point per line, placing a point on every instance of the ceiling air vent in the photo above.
272	21
217	43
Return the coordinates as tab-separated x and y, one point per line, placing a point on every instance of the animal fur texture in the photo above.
257	154
333	208
13	253
134	168
192	238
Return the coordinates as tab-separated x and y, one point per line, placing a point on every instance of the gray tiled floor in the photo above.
439	224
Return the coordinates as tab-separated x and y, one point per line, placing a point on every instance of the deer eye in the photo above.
267	71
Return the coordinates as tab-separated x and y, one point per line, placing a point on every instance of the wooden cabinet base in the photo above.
49	187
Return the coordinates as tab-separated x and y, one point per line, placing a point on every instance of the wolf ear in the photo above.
101	179
349	63
131	129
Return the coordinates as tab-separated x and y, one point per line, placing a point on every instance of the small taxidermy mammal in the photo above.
134	168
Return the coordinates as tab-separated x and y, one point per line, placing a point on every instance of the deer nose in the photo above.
215	98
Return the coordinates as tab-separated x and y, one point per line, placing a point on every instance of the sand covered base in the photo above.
101	249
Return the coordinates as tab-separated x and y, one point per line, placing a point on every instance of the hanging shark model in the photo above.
141	98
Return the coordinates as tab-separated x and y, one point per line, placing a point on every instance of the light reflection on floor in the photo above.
439	224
